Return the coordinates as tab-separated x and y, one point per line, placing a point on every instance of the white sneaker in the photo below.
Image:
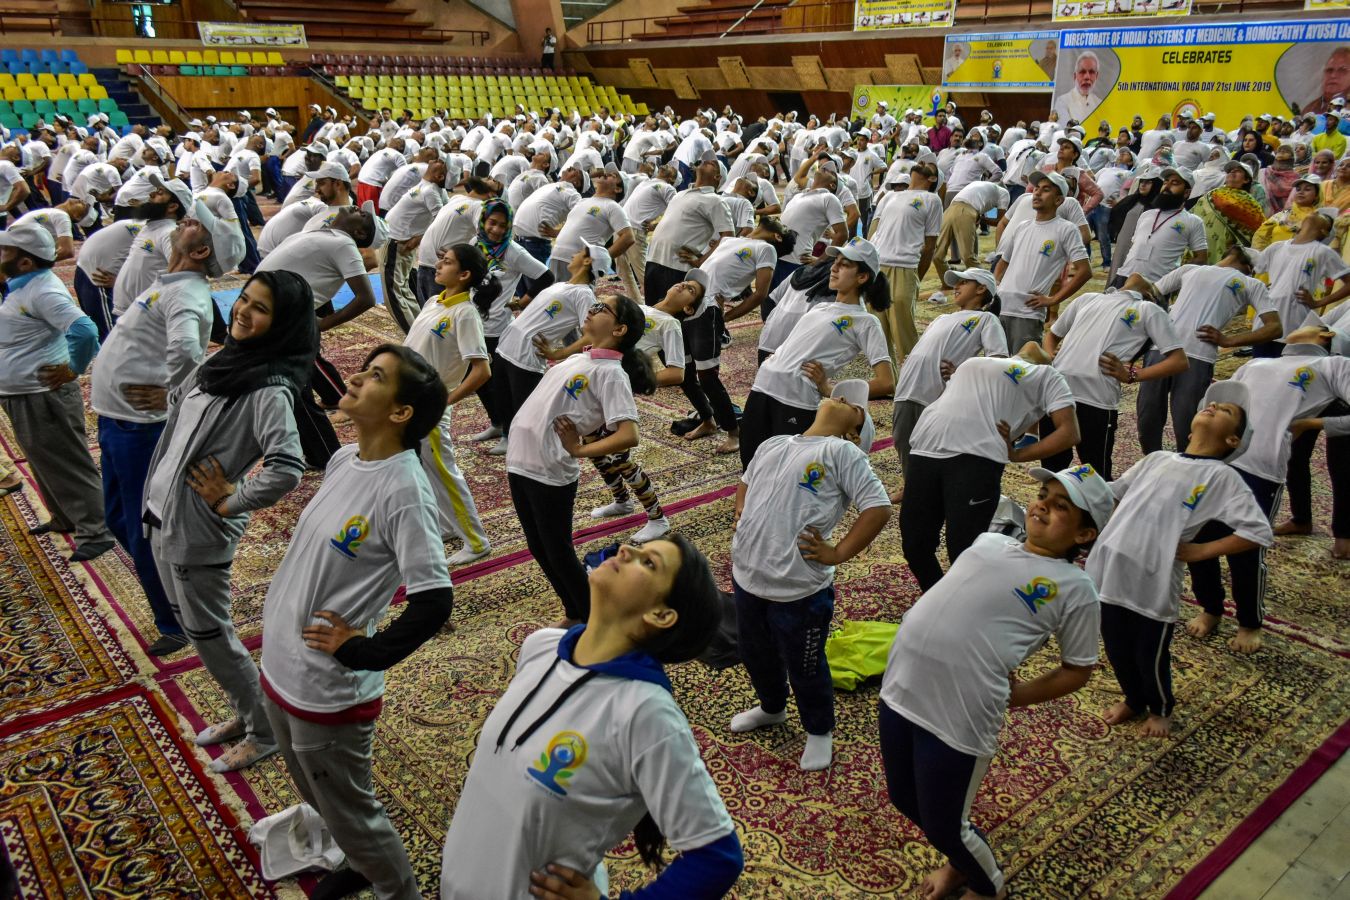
937	297
492	432
465	555
610	510
498	449
654	529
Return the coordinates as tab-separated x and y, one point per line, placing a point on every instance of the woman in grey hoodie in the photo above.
233	411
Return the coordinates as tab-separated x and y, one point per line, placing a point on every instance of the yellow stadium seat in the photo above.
124	57
97	92
34	92
57	92
341	81
141	57
194	58
46	79
243	58
177	58
227	58
25	79
87	79
12	92
159	57
77	92
65	79
643	111
6	80
274	59
211	57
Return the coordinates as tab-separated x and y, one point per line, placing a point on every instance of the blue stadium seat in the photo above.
78	68
28	55
48	56
9	55
70	56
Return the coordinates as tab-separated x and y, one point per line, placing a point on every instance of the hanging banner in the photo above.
1230	70
1087	10
243	34
880	15
898	98
1013	61
1321	5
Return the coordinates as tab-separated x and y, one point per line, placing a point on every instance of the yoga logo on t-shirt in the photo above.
149	300
1048	248
1179	227
651	323
1308	265
566	753
1037	592
442	327
812	477
576	385
842	324
351	536
593	212
553	308
1234	285
1015	373
1193	499
969	324
1303	376
148	245
1131	316
917	203
744	254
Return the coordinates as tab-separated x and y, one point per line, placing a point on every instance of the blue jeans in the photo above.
251	258
686	175
782	643
425	285
126	448
541	249
96	303
1100	220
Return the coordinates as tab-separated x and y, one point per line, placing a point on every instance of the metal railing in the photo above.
174	28
162	101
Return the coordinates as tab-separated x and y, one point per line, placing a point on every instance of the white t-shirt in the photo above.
288	220
830	333
970	167
1210	295
1163	500
954	337
56	221
546	206
159	340
1160	238
648	201
790	305
1036	257
741	212
523	185
795	483
1021	213
1293	386
370	528
554	313
693	219
982	392
402	181
107	248
594	220
146	260
1309	266
663	334
325	259
1119	324
732	267
416	210
809	213
948	668
985	196
522	808
456	223
380	167
589	388
905	219
448	332
33	323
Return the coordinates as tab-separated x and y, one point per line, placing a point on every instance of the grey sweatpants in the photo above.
902	426
50	428
1020	330
200	598
330	765
1182	392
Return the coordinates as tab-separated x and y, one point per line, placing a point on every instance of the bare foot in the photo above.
1341	548
731	445
11	481
1248	640
897	495
1203	624
705	429
941	883
1289	526
1119	714
1156	726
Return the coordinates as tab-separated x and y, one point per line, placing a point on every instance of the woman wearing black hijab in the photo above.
235	410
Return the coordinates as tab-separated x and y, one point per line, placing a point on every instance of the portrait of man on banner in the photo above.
1078	102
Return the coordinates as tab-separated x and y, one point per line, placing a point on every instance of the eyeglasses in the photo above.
599	307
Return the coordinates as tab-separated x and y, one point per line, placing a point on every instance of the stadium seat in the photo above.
159	57
177	57
107	106
227	57
67	108
211	57
141	57
98	92
188	70
78	69
66	80
87	106
70	56
9	55
28	55
33	92
274	59
194	57
22	106
117	118
124	57
10	121
87	79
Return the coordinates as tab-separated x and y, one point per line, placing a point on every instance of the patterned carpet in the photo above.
102	795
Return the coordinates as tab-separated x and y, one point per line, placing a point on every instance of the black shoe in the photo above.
684	426
47	527
1243	351
90	550
168	645
342	883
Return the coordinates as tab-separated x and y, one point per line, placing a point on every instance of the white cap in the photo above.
710	156
270	111
331	170
32	239
1234	392
181	192
192	136
856	392
91	216
980	276
1181	172
858	250
1338	101
381	227
1054	178
1309	178
699	276
1086	488
601	262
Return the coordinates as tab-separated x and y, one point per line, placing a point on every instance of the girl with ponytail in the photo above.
582	408
448	333
588	744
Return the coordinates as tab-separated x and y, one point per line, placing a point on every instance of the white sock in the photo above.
818	753
756	718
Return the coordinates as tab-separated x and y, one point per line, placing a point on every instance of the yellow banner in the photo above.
880	15
1088	10
1016	61
241	34
1230	70
898	97
1321	5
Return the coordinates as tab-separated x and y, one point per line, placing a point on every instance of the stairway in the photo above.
119	88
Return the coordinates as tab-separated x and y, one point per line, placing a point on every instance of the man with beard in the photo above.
332	190
149	255
1164	233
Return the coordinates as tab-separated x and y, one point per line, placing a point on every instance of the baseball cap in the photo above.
381	227
1181	172
1237	164
32	239
1309	178
331	170
91	216
1054	178
980	276
181	192
192	136
214	268
1234	392
601	262
1333	113
1071	139
271	111
1338	101
856	391
1208	117
699	276
1086	488
859	250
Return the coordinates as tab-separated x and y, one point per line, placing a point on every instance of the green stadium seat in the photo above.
87	106
106	105
117	118
9	120
192	70
67	108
